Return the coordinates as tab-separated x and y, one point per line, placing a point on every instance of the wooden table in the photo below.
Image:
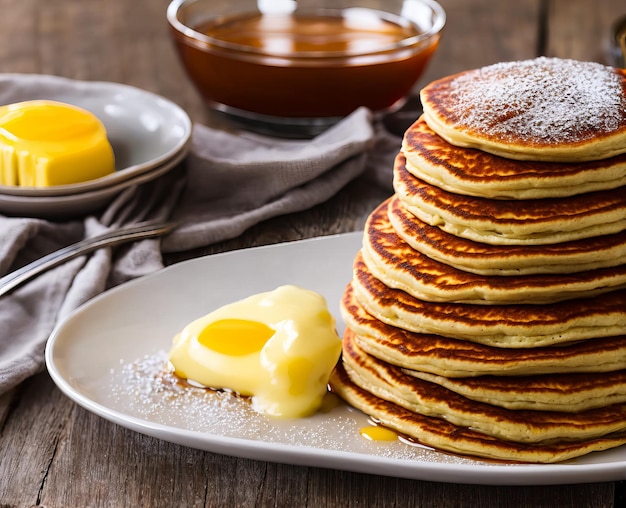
53	453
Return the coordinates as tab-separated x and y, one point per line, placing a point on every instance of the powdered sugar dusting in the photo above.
146	389
543	101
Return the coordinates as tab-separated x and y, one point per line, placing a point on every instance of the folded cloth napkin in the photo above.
228	182
235	181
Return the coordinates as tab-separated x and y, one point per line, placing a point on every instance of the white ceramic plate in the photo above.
144	129
105	356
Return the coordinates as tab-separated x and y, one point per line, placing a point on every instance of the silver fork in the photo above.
110	238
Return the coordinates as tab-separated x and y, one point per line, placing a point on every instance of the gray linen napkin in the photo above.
235	181
228	183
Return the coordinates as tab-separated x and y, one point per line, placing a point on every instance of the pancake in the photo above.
524	426
395	263
509	326
428	399
546	109
449	357
487	259
444	435
476	173
551	392
512	222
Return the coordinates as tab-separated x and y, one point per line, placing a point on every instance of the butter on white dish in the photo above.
278	347
47	143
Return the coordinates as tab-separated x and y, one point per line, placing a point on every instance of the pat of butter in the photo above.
278	347
46	143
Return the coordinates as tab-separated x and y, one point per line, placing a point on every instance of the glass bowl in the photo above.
296	67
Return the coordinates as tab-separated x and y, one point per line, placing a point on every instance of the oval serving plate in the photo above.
144	129
105	354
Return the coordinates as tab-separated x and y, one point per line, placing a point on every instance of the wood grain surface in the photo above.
53	453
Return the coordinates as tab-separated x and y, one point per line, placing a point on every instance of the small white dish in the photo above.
144	129
90	356
77	204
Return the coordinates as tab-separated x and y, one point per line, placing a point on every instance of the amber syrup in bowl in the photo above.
304	68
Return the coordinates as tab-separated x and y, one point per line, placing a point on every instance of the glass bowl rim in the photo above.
176	6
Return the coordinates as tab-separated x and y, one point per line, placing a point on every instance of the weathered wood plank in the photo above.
31	434
580	29
484	32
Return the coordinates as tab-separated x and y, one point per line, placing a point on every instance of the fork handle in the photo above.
108	239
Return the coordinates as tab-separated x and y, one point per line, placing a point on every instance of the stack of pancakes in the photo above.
486	315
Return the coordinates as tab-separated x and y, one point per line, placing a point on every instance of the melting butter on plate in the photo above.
46	143
278	347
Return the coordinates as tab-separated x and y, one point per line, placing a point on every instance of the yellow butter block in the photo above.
46	143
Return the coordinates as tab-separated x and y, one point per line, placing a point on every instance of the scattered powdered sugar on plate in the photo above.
544	101
146	389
